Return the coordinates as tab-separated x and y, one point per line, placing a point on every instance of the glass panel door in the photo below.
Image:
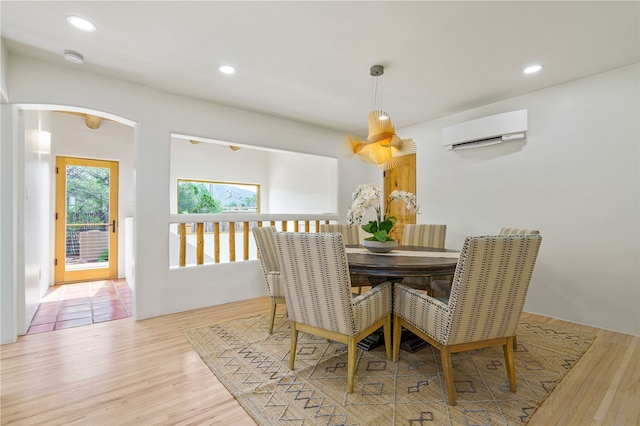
86	219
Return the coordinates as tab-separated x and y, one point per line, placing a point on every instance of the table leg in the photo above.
408	341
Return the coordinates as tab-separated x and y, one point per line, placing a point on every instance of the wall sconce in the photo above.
44	142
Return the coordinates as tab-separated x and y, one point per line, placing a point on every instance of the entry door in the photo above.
402	178
86	219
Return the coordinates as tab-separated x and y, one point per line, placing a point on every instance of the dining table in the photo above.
401	262
394	266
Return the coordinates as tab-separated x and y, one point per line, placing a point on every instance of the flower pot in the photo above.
380	246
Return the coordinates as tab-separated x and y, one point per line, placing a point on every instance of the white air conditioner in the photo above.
486	130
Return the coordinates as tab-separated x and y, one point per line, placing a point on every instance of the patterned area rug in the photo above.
253	365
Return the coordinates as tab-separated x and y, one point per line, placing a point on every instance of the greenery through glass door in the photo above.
87	209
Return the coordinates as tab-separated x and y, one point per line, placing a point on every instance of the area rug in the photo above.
253	366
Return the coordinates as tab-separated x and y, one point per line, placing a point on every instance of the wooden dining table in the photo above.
404	261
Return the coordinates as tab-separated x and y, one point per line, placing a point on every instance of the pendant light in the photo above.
382	146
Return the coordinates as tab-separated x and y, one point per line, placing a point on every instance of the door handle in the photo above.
113	226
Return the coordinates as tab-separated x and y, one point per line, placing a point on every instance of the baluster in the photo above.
245	236
200	244
232	241
216	242
183	244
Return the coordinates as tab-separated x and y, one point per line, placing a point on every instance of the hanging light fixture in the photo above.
382	146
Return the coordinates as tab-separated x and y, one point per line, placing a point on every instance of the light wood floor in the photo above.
145	373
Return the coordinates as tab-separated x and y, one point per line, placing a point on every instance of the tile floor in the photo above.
75	305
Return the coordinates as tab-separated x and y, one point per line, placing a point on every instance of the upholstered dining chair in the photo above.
350	233
426	235
317	290
350	236
518	231
487	296
442	287
267	253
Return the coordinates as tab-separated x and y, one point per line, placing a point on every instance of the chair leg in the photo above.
397	331
509	362
272	316
294	344
351	363
515	343
447	368
387	336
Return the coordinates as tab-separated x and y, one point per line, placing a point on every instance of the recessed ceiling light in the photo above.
81	23
226	69
73	56
532	69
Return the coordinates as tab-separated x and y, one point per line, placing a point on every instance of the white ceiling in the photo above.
309	61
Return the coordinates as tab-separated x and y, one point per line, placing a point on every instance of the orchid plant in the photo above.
368	195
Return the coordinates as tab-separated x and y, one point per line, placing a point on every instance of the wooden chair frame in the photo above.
447	350
350	341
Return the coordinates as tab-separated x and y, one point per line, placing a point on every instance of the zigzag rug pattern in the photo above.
253	366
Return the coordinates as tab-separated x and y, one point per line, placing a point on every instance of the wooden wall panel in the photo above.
404	179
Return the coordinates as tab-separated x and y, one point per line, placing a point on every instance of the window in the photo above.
200	196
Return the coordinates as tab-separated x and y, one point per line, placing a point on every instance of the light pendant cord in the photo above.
377	98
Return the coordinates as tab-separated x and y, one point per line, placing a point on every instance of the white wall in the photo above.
36	198
10	311
4	61
4	66
157	116
302	184
576	178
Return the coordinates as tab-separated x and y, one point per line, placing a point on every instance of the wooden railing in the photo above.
186	226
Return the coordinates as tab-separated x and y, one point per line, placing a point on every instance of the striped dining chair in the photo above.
518	231
350	233
487	296
424	235
267	253
317	288
427	235
350	236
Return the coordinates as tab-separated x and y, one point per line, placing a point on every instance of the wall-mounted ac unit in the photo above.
486	130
